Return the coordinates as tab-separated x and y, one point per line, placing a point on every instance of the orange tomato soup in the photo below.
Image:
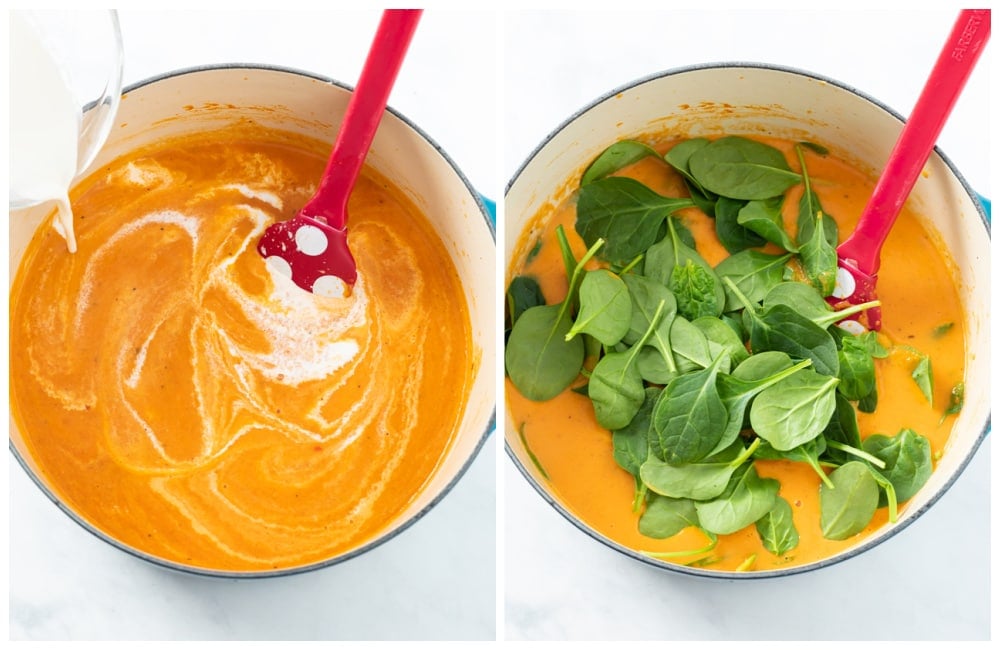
917	288
189	404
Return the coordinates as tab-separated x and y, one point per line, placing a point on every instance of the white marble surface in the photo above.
436	580
932	581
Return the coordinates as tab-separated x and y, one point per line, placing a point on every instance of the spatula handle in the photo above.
916	141
364	112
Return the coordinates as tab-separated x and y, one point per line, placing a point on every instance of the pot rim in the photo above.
378	541
876	538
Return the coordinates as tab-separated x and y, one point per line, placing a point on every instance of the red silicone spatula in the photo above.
858	256
311	247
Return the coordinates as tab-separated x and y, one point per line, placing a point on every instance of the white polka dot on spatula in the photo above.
329	286
852	326
280	265
311	240
845	284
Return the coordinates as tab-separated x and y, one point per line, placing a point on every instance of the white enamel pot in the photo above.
758	99
203	99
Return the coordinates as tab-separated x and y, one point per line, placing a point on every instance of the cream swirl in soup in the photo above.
194	405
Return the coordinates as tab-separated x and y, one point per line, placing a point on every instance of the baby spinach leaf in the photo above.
646	296
731	234
847	507
665	517
677	265
689	417
814	146
631	443
907	458
533	253
653	367
808	453
819	260
807	221
956	400
702	198
716	331
689	345
741	168
782	328
735	322
869	402
843	430
764	218
942	329
777	529
694	286
795	410
800	296
737	393
615	385
857	369
605	307
523	293
875	348
616	157
679	156
625	213
698	481
760	367
540	361
807	301
747	498
809	208
616	389
924	376
753	272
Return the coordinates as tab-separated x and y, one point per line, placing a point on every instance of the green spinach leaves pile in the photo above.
699	371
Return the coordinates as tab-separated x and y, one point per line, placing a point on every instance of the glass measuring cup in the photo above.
60	62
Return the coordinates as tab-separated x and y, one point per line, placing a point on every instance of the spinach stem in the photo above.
531	454
848	311
631	265
816	465
784	374
854	451
739	295
574	281
713	541
649	332
569	261
805	173
747	453
640	496
747	564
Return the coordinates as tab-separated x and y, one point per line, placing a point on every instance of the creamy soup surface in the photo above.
919	300
186	402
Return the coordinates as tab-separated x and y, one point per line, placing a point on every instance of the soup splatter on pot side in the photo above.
921	311
189	404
